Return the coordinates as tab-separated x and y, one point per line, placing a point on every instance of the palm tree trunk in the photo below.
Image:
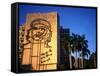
81	59
70	59
76	64
76	60
80	63
94	61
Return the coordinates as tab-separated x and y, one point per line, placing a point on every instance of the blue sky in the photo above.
78	20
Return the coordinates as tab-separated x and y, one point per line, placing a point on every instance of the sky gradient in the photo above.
78	20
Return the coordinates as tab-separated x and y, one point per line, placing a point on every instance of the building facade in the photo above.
39	50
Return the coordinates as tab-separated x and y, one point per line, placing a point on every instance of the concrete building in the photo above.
40	41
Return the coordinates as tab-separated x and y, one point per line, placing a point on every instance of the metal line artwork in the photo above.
47	55
38	42
41	31
39	34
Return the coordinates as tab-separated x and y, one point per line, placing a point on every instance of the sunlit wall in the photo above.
40	41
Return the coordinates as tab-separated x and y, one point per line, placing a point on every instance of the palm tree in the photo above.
82	47
86	52
75	47
66	45
93	62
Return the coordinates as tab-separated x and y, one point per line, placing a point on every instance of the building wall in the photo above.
64	59
40	52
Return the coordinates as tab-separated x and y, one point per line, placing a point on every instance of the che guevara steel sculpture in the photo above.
41	31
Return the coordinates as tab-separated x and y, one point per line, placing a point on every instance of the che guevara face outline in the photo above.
40	28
